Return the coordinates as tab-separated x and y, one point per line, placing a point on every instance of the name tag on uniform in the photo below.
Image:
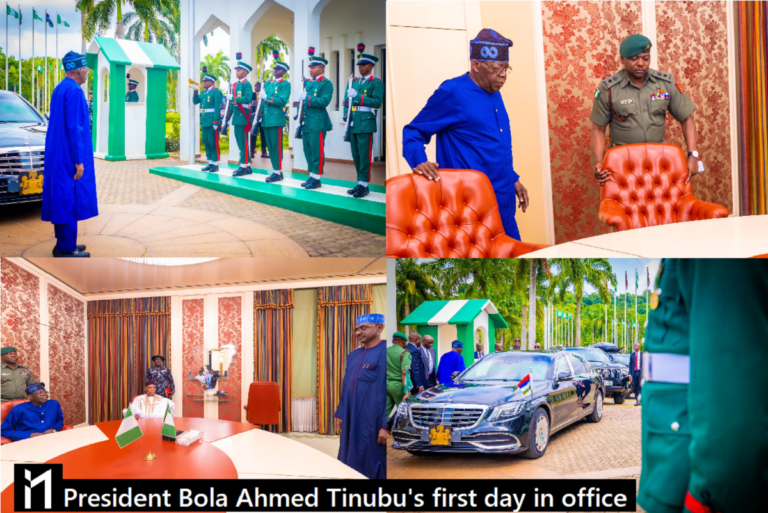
626	102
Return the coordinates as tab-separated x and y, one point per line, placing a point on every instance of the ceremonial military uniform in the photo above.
318	93
14	381
369	95
132	96
210	121
278	93
239	116
703	425
639	113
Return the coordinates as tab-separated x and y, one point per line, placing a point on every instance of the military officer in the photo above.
15	378
365	95
316	96
132	96
635	101
239	114
274	97
210	120
704	445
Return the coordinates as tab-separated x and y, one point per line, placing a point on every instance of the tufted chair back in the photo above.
647	188
455	217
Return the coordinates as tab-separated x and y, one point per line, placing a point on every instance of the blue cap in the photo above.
457	344
372	318
73	61
34	387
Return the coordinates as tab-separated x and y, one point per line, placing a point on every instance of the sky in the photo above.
69	37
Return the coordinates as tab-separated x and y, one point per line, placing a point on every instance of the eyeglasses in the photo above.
500	70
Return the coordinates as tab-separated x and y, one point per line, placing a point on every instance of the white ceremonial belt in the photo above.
205	111
667	368
362	109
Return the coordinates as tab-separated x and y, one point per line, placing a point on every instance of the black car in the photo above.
485	411
615	375
22	150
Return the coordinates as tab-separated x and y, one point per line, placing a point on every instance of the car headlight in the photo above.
506	411
625	371
402	410
606	373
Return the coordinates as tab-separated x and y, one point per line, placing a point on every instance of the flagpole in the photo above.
57	47
7	8
19	51
34	96
45	64
637	327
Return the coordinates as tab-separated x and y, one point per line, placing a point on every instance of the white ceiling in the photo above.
90	276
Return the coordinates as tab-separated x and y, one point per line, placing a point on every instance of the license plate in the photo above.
439	435
30	182
609	383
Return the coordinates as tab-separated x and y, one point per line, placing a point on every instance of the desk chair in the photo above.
6	407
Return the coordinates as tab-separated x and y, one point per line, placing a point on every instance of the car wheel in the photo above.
597	412
539	435
618	399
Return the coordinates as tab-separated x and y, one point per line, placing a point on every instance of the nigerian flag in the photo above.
168	429
129	430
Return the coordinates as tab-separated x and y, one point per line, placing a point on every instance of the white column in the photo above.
391	313
189	62
239	41
177	353
247	351
306	33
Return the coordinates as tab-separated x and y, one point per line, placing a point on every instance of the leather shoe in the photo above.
274	177
207	168
637	404
214	169
353	191
313	183
241	171
80	247
361	192
248	170
75	254
264	155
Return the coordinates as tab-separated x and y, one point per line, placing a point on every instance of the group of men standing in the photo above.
363	97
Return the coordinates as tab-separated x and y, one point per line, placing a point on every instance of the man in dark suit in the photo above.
423	366
479	354
636	371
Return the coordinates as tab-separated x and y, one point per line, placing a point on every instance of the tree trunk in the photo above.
82	24
407	309
523	332
502	339
532	305
578	322
120	19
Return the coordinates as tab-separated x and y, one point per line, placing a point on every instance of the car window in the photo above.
562	366
579	367
592	355
508	367
14	110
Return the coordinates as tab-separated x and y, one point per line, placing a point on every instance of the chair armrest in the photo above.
4	440
505	246
611	213
66	428
699	210
245	407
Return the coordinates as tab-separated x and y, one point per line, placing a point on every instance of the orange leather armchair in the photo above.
647	188
6	407
263	403
454	217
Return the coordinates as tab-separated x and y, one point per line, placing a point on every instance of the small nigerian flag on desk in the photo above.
169	428
525	384
129	430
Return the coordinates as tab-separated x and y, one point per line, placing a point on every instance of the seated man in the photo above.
37	417
150	405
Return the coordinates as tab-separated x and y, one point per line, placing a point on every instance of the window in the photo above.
562	366
579	367
106	87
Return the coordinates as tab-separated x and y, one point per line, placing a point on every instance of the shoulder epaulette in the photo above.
663	75
611	81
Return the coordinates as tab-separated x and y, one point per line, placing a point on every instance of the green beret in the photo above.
7	350
399	335
633	45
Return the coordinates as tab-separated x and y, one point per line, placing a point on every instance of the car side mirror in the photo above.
46	117
455	375
564	376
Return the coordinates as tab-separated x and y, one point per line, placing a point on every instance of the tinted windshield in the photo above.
594	355
508	367
621	358
14	110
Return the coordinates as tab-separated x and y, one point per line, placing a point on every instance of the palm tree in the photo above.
414	286
575	272
218	66
265	49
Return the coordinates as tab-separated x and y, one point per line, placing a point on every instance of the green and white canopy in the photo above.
457	311
133	53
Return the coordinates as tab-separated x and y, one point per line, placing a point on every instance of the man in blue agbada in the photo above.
69	187
361	415
472	127
451	362
39	416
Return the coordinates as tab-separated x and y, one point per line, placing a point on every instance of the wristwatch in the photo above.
693	154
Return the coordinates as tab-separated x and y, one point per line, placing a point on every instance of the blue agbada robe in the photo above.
450	362
473	132
363	411
26	418
68	142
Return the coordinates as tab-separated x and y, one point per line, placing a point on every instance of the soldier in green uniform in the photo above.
704	443
398	363
316	96
132	96
209	100
15	378
365	95
635	101
274	97
239	115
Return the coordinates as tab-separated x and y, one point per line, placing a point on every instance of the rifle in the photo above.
256	122
349	112
224	122
300	113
